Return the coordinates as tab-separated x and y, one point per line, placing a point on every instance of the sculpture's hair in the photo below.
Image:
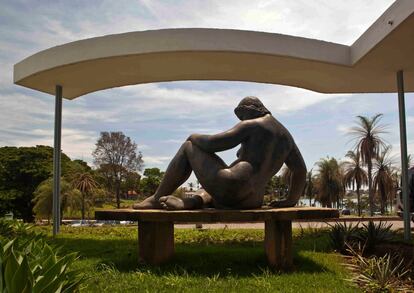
253	103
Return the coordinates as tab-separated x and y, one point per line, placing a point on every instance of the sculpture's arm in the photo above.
297	166
225	140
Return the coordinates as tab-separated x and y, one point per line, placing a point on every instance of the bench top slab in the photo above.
216	215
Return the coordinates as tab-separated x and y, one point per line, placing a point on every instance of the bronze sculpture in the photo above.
265	146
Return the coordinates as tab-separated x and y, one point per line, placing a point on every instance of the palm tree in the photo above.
409	161
43	198
355	175
383	179
368	144
329	182
309	189
85	183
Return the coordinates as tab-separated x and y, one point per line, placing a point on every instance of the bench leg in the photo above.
278	243
155	241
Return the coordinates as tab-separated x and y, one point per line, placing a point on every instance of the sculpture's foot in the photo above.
147	204
171	202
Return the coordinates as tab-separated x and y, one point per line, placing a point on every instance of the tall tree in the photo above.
329	182
118	154
151	181
367	135
22	169
355	175
383	178
86	184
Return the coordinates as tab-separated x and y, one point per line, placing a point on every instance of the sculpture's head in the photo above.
250	108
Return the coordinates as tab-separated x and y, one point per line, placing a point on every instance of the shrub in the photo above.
12	228
371	234
32	265
378	274
29	264
342	234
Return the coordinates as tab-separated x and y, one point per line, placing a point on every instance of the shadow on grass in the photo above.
225	259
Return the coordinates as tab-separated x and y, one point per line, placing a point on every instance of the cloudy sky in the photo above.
160	116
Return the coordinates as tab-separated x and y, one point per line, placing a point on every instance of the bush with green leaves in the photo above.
12	228
31	265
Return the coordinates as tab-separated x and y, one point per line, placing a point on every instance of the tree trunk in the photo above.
370	191
117	192
382	196
359	201
83	207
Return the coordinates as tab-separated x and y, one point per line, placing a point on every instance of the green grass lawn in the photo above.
205	261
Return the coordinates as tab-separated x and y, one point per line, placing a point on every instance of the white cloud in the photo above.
160	116
156	160
343	129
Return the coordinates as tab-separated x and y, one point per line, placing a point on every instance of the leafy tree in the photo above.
151	181
367	135
117	155
131	182
86	184
383	178
22	169
277	187
329	182
355	175
271	186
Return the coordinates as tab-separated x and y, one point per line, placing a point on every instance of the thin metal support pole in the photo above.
56	160
404	156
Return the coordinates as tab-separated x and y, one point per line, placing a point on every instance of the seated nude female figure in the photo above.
265	145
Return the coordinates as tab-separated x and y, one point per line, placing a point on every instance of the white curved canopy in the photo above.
369	65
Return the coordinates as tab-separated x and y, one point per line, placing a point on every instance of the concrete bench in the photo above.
156	228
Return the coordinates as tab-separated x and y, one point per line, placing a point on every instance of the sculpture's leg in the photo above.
278	243
155	241
176	174
187	159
